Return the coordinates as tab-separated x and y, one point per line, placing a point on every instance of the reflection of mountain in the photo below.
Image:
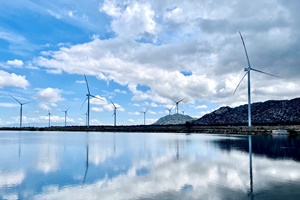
277	147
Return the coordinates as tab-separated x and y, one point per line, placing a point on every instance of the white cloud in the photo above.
120	91
11	178
138	17
134	113
131	120
162	45
97	109
201	107
12	80
8	105
49	97
15	62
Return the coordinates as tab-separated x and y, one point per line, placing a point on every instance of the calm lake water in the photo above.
59	165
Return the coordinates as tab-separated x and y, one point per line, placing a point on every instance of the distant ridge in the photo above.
173	119
273	112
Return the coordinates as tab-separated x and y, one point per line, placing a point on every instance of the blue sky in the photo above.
142	54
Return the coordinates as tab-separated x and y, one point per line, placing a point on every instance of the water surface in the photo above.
67	165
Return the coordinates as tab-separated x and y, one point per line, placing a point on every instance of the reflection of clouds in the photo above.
217	178
99	154
11	179
10	197
47	159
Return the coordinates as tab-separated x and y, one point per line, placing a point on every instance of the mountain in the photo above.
270	112
173	119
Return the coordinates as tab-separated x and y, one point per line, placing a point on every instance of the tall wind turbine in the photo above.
145	115
177	102
169	110
115	113
49	114
247	70
66	113
89	95
21	108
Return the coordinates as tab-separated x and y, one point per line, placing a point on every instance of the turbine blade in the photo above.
83	103
96	97
240	82
245	50
28	102
87	84
264	72
181	100
15	99
113	104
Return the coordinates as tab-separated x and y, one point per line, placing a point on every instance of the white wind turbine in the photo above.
247	70
49	114
176	103
169	109
21	108
145	115
66	113
89	95
115	113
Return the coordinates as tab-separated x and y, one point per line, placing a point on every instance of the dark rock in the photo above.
273	112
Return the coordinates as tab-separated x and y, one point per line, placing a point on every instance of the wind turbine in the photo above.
88	100
49	114
177	102
145	116
169	110
247	70
21	108
115	113
66	113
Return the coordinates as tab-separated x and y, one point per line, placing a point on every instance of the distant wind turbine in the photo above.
89	95
247	70
177	102
145	115
21	108
49	114
66	113
115	113
169	110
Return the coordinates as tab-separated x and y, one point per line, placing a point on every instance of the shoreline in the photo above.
189	129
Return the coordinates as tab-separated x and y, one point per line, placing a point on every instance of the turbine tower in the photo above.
169	110
177	102
115	113
88	97
21	108
247	70
66	113
49	114
145	115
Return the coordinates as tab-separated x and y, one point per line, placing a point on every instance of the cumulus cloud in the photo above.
49	97
12	80
15	62
156	41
